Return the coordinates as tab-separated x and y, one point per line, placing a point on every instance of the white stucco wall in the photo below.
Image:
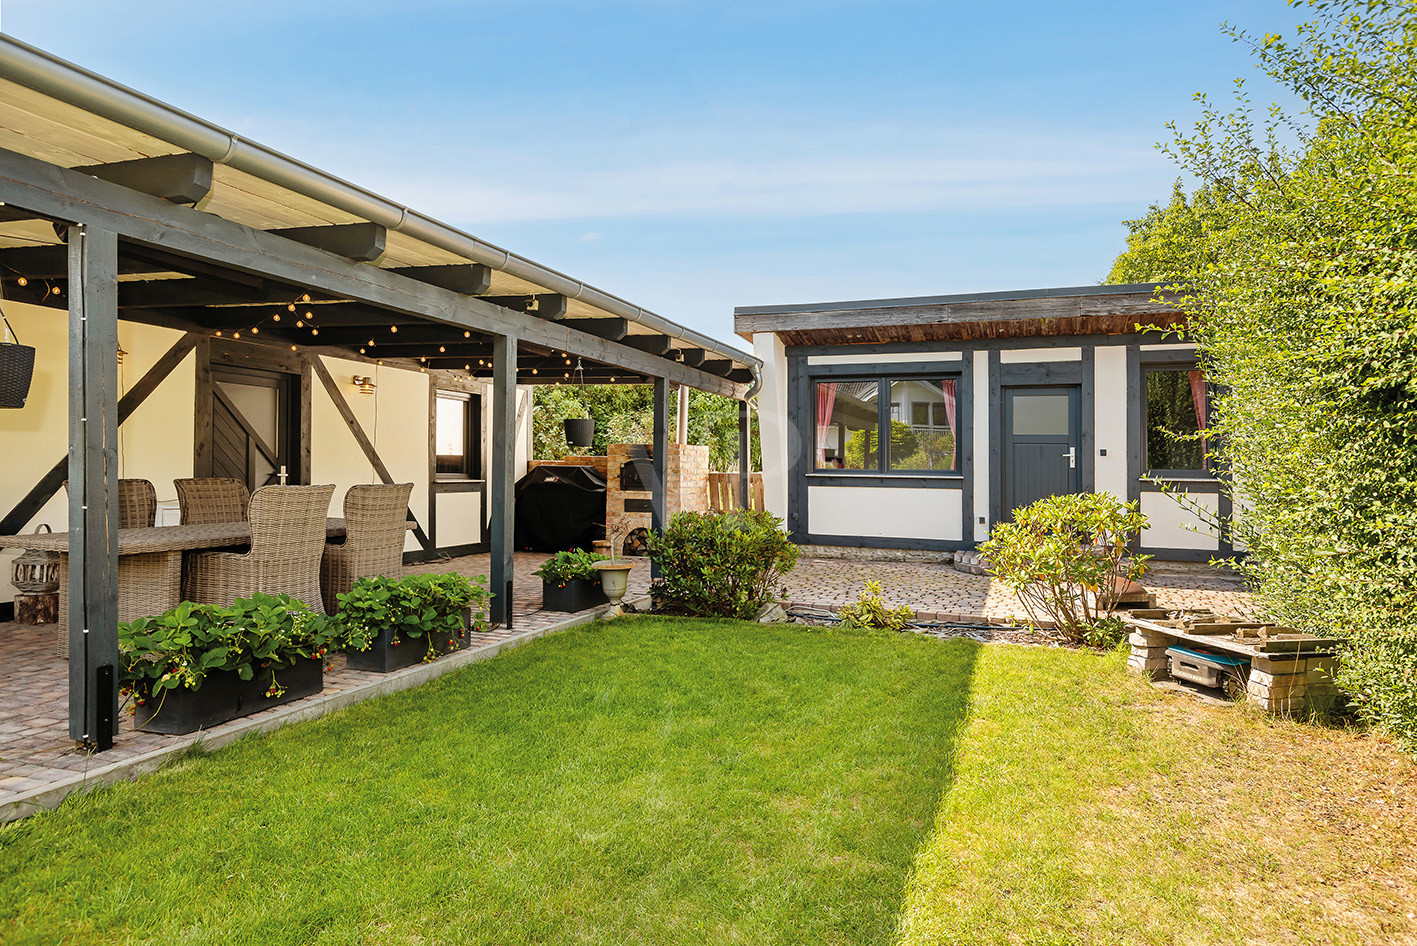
1110	420
1030	356
1175	527
773	428
885	512
980	402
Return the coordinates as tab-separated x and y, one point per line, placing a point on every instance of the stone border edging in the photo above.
50	797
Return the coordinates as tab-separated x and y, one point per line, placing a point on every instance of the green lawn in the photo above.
675	781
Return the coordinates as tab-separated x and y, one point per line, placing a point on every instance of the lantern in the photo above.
36	572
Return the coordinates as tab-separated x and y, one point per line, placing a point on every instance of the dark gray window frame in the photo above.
1197	475
883	418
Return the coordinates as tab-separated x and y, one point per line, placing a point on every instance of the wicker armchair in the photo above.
287	540
375	524
137	504
212	499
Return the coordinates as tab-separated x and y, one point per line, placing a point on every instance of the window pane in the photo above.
928	443
450	435
1036	414
1171	414
846	425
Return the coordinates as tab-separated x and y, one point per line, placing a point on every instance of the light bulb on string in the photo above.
22	281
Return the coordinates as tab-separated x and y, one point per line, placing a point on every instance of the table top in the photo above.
160	538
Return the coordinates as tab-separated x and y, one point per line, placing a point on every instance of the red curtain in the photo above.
826	400
949	388
1198	398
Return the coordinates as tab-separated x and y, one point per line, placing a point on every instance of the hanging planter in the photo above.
580	431
16	369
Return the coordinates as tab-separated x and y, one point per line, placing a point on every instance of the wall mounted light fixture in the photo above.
365	384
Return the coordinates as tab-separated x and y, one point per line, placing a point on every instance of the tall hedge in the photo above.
1297	256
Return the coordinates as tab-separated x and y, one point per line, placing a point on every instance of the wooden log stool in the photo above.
36	608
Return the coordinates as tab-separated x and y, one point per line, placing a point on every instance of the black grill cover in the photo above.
559	507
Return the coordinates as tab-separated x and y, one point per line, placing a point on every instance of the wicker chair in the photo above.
375	524
137	504
212	499
287	540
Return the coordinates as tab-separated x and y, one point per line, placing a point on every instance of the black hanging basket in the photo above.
580	432
16	372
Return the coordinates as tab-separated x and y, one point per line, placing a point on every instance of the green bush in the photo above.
428	607
871	611
258	635
1061	556
720	564
570	565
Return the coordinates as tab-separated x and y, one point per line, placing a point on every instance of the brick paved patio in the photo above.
36	753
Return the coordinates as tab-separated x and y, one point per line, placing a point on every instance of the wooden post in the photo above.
745	455
93	486
681	434
658	499
501	481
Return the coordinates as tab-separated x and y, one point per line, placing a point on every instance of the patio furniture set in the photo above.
232	543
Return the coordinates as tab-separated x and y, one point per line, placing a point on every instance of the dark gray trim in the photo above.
996	437
745	453
1043	373
202	410
937	480
1021	295
502	479
93	486
1172	482
1181	555
460	486
660	462
882	542
1175	358
800	432
1135	429
1087	463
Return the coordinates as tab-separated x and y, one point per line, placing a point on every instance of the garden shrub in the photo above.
871	611
720	564
570	565
1063	556
1293	263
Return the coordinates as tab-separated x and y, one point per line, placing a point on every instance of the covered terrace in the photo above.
119	208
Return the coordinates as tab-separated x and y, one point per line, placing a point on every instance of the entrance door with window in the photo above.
254	425
1042	444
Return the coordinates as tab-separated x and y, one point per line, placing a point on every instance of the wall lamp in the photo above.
365	385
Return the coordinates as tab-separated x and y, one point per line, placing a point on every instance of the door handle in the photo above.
1072	456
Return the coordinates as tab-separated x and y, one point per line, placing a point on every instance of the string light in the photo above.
467	335
299	323
235	334
314	331
393	328
218	334
361	351
305	297
254	330
292	348
291	307
55	290
22	281
441	348
276	316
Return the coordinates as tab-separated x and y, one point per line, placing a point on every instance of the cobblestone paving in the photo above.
35	748
940	591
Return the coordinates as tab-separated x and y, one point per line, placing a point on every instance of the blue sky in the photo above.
696	156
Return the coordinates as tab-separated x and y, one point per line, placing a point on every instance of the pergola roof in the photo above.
57	113
1109	310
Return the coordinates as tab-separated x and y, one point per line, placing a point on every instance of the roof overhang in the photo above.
1107	310
222	235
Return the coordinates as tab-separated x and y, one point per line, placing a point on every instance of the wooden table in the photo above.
149	562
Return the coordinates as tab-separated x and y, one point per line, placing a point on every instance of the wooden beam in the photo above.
361	241
58	193
658	497
719	367
745	454
93	487
613	329
546	305
651	344
360	437
693	357
177	178
472	279
501	482
53	481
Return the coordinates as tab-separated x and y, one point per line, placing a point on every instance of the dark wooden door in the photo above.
1042	444
254	425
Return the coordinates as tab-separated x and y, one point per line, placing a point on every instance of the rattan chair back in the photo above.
212	499
375	519
137	504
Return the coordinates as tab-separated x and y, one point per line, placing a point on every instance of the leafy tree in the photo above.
861	445
1298	266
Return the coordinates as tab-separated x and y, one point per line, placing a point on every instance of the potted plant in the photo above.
198	665
387	624
570	582
615	573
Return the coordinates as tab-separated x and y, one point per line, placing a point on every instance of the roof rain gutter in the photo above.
43	72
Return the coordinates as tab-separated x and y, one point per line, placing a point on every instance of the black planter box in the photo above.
390	651
578	594
225	696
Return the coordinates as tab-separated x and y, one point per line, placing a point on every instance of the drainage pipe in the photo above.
36	69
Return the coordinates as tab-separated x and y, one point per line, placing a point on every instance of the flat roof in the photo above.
902	301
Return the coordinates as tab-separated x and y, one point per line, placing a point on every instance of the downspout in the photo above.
46	73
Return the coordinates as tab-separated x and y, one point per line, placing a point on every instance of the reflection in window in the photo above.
927	442
846	425
454	435
1175	413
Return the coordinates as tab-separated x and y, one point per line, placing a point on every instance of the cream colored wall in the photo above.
885	512
1175	527
154	444
1110	420
395	418
460	518
772	421
1033	356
